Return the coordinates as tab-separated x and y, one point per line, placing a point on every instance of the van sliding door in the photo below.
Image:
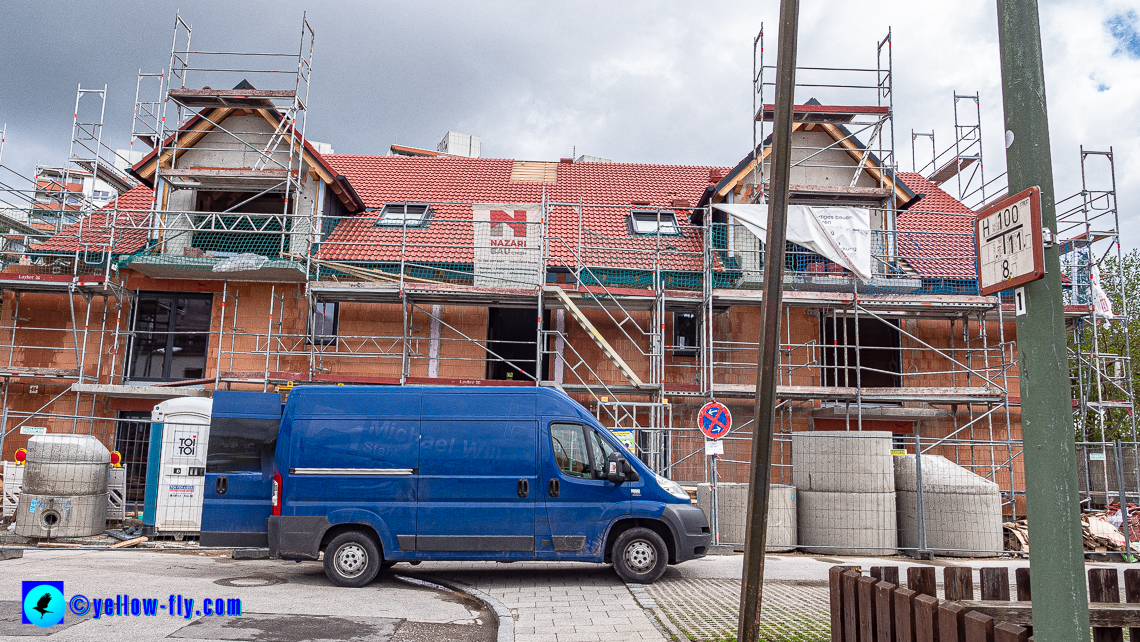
477	483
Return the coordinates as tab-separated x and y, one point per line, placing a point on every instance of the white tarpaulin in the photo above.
840	234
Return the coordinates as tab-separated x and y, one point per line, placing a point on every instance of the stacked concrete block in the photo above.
732	502
962	510
846	492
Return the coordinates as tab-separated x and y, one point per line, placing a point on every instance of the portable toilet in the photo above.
176	466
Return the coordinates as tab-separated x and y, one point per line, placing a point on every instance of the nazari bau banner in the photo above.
508	244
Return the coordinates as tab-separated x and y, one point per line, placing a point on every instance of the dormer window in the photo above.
403	214
654	222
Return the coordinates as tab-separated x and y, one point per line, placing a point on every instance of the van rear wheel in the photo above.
352	559
640	556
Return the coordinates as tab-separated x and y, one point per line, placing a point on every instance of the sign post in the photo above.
715	421
1060	596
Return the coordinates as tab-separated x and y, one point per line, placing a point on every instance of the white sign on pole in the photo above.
1010	249
1019	302
714	447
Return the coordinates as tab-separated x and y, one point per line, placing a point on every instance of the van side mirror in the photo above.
619	470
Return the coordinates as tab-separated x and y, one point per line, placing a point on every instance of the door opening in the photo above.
511	334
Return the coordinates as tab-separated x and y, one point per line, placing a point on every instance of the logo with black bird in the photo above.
43	603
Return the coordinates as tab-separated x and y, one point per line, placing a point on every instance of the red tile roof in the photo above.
94	230
452	183
936	234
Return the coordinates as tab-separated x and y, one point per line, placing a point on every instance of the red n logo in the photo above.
517	223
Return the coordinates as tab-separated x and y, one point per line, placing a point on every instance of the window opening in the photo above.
324	323
684	334
171	335
880	359
400	214
244	233
646	222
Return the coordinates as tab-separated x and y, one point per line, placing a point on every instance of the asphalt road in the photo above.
280	601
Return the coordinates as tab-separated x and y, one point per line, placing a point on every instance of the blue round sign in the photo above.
714	420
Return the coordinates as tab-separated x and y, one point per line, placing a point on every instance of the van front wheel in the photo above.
640	556
352	559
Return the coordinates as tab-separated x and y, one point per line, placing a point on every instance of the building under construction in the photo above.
249	257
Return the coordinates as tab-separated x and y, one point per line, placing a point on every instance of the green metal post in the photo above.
1060	599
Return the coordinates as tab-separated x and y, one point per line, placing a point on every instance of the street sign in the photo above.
1010	247
714	420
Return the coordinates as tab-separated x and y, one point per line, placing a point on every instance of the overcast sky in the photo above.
646	82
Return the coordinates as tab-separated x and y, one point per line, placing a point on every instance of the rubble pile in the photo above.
1100	530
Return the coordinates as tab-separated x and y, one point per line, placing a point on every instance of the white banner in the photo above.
508	245
841	234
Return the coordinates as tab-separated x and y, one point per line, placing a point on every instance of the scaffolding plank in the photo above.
233	98
920	305
808	194
20	372
951	169
227	179
870	395
107	174
30	282
824	113
142	392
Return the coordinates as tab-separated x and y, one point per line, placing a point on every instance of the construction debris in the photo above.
1098	531
128	543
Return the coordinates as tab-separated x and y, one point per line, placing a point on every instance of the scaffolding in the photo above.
961	165
262	125
1092	262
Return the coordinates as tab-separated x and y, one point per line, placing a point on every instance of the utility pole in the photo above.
1060	601
768	363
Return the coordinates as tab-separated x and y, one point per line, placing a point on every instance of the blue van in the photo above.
372	476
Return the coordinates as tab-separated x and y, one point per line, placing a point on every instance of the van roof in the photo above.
457	401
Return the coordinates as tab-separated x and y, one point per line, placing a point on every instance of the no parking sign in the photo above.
714	420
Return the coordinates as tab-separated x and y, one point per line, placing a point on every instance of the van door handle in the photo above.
523	488
221	485
552	488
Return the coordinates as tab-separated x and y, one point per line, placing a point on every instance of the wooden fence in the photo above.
876	608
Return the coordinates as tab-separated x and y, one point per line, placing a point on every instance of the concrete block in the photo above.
733	514
11	553
844	523
843	461
962	510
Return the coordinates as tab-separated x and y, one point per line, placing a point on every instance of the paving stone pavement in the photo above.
561	602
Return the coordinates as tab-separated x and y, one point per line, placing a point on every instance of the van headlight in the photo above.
672	487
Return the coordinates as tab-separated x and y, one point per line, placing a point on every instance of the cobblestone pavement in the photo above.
561	602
